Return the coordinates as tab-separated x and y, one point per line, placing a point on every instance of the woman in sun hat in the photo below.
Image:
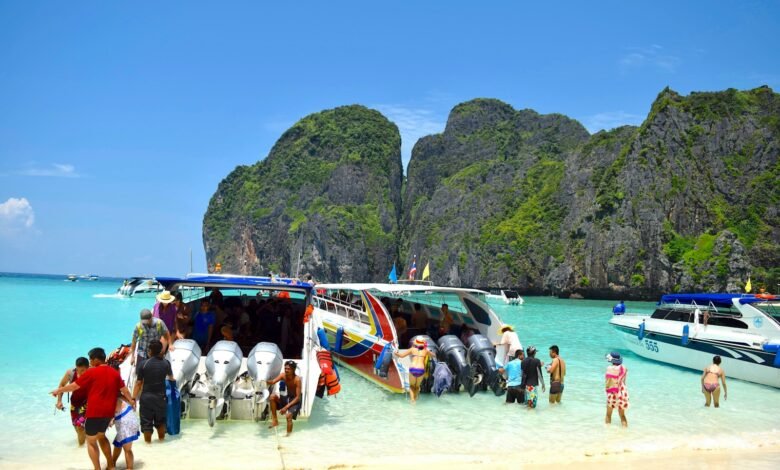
512	342
165	309
617	392
420	353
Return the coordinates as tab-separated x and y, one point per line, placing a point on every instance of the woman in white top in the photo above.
512	342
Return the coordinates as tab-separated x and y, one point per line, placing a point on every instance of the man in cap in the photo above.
532	369
146	331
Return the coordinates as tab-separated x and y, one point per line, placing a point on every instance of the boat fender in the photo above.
382	364
339	339
777	359
685	339
323	338
173	418
641	333
325	361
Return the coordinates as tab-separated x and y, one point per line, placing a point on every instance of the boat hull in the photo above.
749	364
359	353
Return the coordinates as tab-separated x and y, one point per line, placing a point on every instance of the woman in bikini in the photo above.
617	392
709	383
419	352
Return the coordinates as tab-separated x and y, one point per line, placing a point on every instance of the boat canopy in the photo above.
718	300
227	281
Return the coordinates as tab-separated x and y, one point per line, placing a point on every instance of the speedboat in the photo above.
140	287
687	330
504	296
230	381
358	326
72	278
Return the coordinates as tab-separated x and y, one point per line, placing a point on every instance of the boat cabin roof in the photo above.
230	281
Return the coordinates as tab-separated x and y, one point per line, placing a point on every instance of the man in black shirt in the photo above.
150	382
532	372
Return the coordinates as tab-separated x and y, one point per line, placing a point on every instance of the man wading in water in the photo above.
289	397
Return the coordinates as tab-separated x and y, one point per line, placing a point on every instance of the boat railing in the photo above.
340	307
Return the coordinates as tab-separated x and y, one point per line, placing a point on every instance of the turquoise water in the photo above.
49	322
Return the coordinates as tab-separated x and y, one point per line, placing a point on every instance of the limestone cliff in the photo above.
325	201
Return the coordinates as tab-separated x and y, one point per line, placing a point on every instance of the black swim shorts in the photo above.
94	426
515	392
153	411
295	409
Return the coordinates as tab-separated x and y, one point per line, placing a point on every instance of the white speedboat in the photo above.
505	296
687	330
72	278
357	323
230	380
140	286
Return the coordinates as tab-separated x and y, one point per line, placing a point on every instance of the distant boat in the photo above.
93	277
505	296
72	278
140	286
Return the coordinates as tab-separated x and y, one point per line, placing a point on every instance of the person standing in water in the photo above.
709	383
617	392
419	352
289	398
532	370
78	399
557	370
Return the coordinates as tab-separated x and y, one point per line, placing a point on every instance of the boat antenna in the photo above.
191	260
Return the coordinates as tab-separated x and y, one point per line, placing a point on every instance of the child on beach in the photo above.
127	430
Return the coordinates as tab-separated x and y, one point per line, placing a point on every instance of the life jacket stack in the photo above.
329	379
118	356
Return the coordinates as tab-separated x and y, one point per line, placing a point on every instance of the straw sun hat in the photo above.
165	297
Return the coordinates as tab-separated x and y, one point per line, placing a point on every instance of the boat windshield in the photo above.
510	294
727	317
770	309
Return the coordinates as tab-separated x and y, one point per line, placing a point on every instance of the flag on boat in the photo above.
413	269
427	271
748	286
393	276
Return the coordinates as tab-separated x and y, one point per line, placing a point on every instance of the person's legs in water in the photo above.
93	451
105	447
414	388
716	397
115	455
608	420
81	436
129	457
289	416
161	432
623	420
707	396
274	405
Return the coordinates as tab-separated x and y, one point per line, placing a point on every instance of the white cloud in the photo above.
610	120
60	170
649	57
16	215
412	123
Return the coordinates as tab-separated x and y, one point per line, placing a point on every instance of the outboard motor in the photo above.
452	351
184	359
482	357
263	363
222	366
430	365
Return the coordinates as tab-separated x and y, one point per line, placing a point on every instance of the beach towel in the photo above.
442	378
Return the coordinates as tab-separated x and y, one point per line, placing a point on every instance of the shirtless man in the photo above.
709	383
291	402
419	353
557	370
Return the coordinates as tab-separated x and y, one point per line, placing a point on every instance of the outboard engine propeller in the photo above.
482	356
264	363
427	384
222	366
184	358
452	351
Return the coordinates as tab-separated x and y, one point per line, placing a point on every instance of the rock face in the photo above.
325	201
688	201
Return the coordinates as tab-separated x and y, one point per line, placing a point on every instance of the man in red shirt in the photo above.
102	385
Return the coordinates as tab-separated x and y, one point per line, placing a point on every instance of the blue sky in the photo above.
119	119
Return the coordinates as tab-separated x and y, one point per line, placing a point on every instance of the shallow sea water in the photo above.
49	322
